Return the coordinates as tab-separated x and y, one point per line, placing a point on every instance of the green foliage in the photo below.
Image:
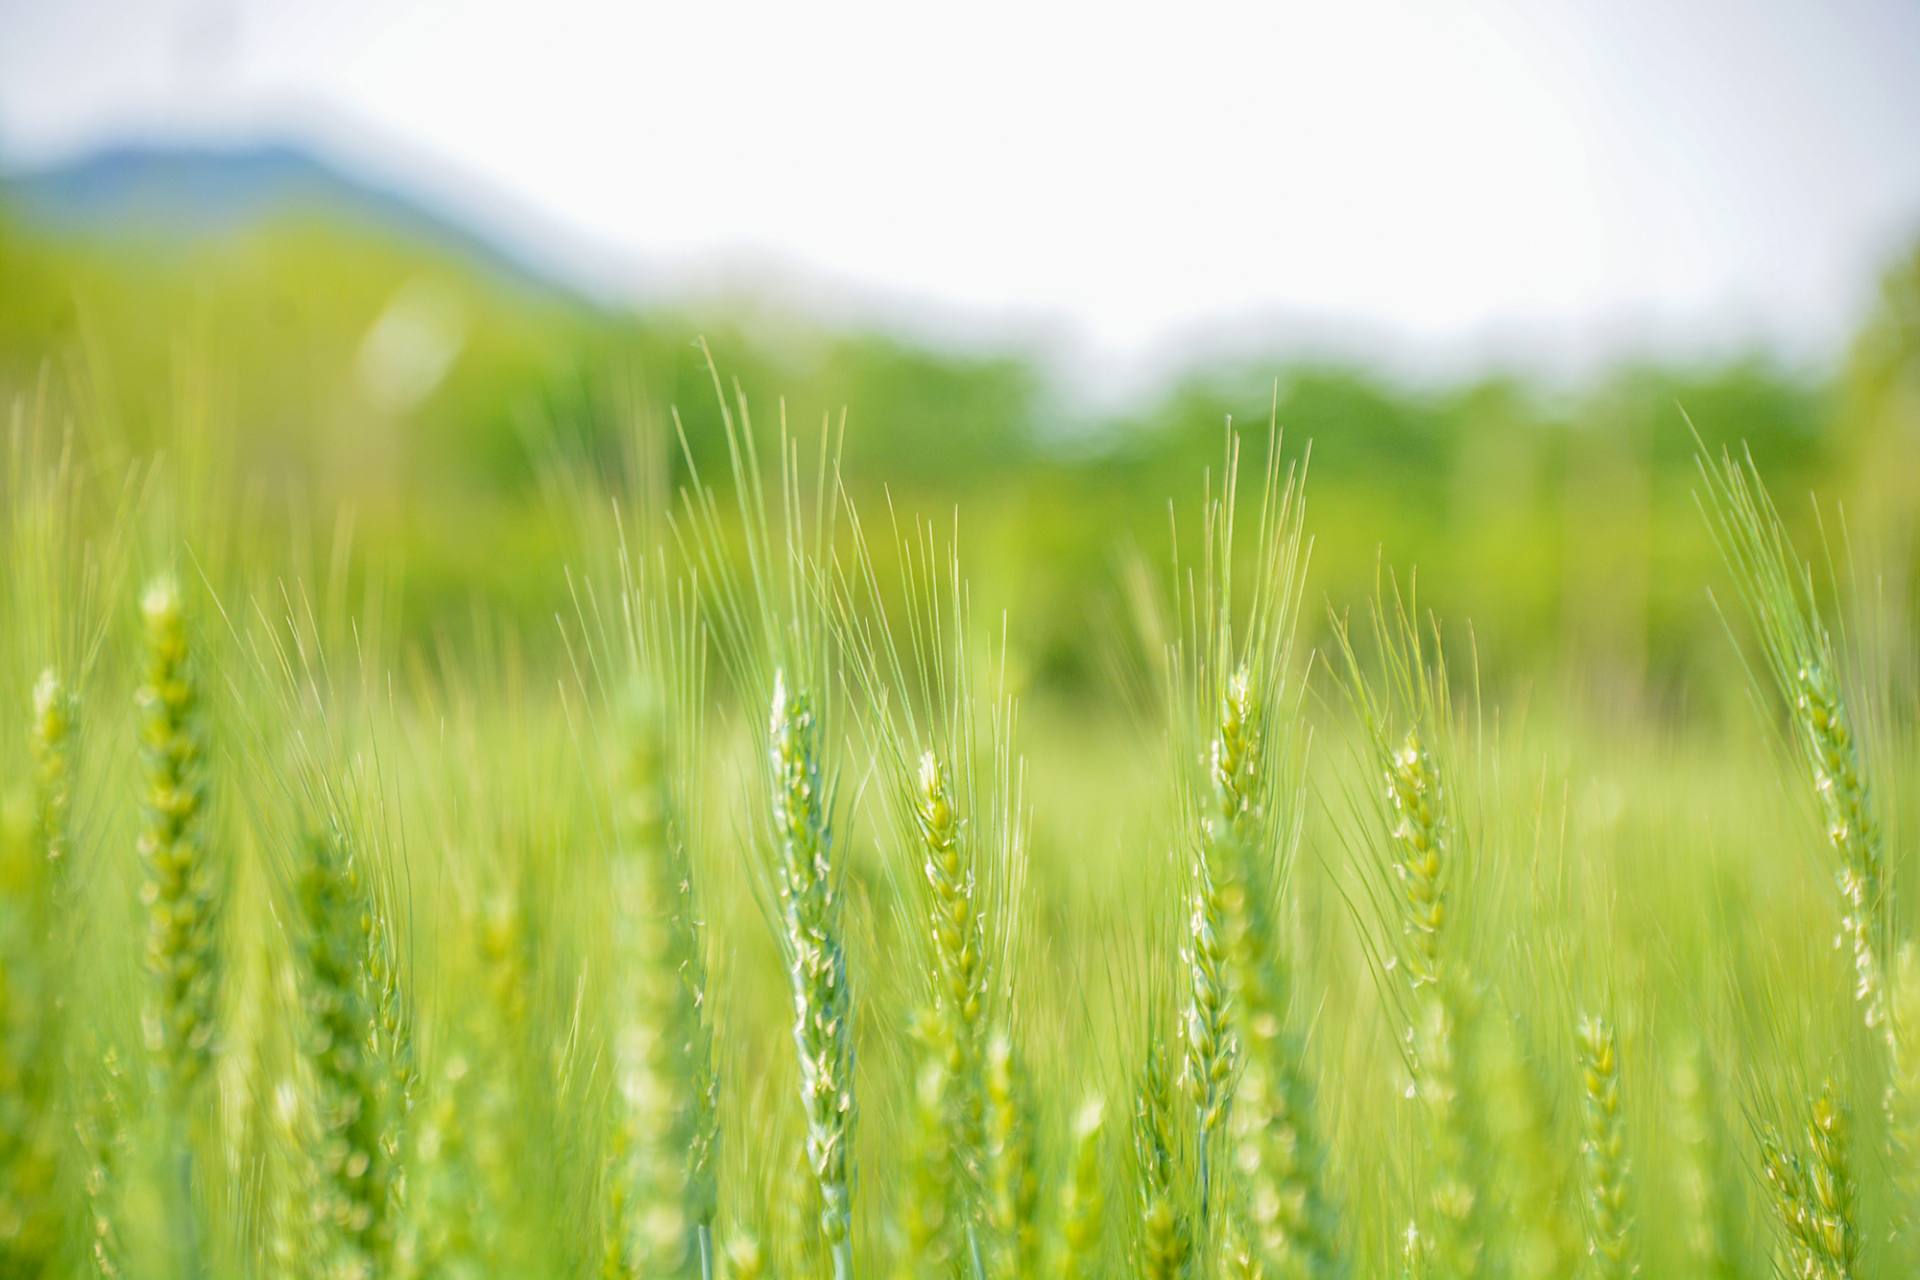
1541	512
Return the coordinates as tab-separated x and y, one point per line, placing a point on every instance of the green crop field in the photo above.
826	811
739	918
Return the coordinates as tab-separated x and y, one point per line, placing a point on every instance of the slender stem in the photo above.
973	1252
843	1260
703	1239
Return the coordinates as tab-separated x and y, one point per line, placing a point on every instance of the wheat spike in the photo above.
182	887
1013	1181
1083	1197
1603	1142
810	909
661	1176
354	1153
927	1224
1166	1239
1814	1195
1803	664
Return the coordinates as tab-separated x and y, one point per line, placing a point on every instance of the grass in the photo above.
781	928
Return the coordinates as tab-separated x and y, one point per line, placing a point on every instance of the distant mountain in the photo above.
188	192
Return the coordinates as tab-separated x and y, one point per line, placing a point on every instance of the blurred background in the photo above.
1488	257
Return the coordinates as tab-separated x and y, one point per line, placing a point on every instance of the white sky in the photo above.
1552	178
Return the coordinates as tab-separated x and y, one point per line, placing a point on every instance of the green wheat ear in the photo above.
351	1074
959	952
1802	664
1013	1181
770	630
1287	1221
1082	1216
101	1131
661	1179
1420	855
1446	1082
1603	1141
1212	1052
31	1067
181	893
1833	1190
810	909
36	979
1233	708
1814	1194
954	794
1165	1233
927	1220
54	753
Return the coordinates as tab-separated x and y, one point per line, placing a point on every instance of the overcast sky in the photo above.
1555	176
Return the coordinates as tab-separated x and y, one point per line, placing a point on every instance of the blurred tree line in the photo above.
349	368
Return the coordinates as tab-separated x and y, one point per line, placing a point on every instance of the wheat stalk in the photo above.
1443	1007
661	1179
1083	1197
1814	1195
1013	1181
1423	852
1802	662
182	889
1211	1051
102	1135
1230	679
354	1157
817	967
181	892
1603	1142
391	1046
958	932
1830	1181
36	975
955	795
1419	837
30	1076
772	637
1166	1239
1457	1241
1289	1223
926	1220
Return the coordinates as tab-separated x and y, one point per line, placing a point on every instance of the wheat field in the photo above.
747	920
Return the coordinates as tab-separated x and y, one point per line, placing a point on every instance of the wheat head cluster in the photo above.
754	934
